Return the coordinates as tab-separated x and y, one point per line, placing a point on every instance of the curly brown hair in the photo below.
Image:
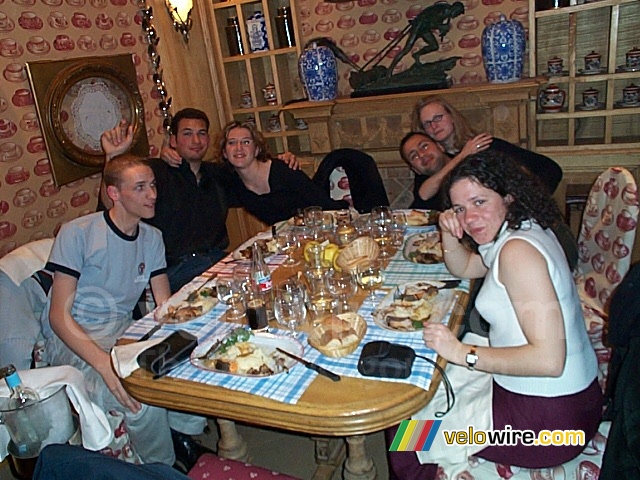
462	131
262	154
498	172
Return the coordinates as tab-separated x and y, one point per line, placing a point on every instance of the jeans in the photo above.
62	462
190	266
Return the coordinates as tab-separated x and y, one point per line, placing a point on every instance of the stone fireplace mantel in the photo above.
377	124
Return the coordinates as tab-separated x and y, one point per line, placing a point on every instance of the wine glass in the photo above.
288	306
230	293
397	228
313	220
342	286
380	215
370	276
380	233
288	242
242	275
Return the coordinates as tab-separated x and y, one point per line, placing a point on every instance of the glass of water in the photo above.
288	306
230	293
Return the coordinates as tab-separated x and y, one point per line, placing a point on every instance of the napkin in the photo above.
22	262
125	357
95	428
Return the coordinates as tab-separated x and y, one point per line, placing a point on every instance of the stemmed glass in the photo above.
397	228
313	217
370	276
288	242
230	293
288	306
381	234
342	286
242	275
380	215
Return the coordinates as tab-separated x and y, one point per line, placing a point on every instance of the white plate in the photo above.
581	107
621	104
591	72
178	300
624	68
268	342
442	303
412	243
237	255
419	218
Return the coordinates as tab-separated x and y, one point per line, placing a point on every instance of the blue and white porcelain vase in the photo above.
319	73
503	50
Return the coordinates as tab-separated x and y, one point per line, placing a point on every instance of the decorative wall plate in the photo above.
76	101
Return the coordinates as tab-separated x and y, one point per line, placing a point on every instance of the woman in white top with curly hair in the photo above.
542	363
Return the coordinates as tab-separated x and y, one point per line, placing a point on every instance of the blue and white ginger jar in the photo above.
319	73
503	50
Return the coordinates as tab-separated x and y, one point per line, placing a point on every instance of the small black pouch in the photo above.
170	352
384	359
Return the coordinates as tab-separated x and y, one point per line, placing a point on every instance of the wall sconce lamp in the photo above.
180	12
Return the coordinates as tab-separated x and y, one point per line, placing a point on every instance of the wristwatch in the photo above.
472	358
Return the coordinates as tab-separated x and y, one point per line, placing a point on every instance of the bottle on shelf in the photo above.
284	28
234	38
261	279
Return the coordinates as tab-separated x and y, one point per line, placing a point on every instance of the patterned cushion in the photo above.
606	236
212	467
339	185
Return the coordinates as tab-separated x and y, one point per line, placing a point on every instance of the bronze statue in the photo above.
420	76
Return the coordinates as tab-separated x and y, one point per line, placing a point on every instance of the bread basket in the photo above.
345	332
358	252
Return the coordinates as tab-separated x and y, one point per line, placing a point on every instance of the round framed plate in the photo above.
424	248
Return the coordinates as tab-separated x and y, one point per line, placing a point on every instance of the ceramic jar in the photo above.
319	73
245	100
503	49
631	94
592	62
554	66
273	125
590	99
269	94
551	99
257	32
633	58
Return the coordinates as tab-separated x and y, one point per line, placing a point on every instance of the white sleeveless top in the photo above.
494	305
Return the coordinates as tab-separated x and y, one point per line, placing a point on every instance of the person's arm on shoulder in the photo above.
431	185
539	316
290	159
63	294
170	155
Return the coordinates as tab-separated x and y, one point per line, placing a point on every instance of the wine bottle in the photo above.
21	395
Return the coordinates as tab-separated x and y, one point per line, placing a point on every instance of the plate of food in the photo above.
188	303
244	353
421	218
424	248
409	306
265	241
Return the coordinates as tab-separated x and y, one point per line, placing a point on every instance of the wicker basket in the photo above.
361	251
356	322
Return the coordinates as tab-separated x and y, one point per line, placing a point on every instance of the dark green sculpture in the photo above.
379	79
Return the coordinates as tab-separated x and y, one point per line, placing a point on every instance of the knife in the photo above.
311	365
150	333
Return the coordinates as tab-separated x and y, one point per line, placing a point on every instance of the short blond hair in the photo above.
115	168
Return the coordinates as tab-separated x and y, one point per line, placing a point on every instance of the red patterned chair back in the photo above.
606	236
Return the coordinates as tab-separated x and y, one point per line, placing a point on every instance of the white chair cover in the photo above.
606	236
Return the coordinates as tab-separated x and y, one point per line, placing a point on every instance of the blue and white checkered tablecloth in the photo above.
289	387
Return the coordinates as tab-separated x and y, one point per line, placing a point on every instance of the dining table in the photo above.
302	401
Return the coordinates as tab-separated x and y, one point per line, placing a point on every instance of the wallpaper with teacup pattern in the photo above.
31	206
362	28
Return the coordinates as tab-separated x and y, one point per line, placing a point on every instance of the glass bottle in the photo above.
21	396
261	278
284	28
234	38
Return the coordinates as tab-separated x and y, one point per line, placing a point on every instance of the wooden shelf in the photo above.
608	27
